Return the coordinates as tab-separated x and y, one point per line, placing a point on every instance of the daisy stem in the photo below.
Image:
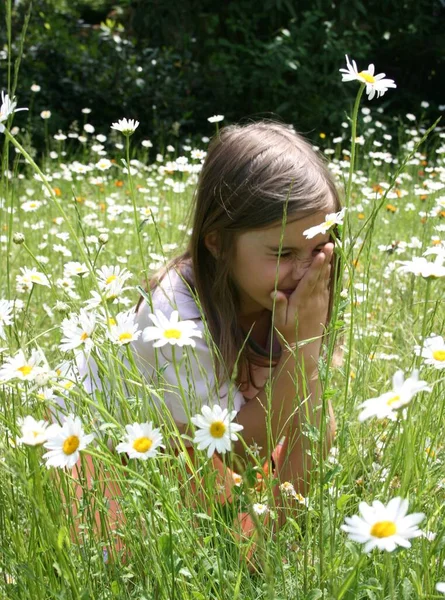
353	144
390	571
424	321
133	202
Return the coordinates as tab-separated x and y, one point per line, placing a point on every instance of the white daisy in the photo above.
440	587
30	277
6	309
260	509
77	331
7	107
72	268
384	527
419	265
65	442
34	432
375	84
20	367
215	429
110	277
215	119
104	164
433	351
170	331
141	441
126	126
386	405
330	221
124	330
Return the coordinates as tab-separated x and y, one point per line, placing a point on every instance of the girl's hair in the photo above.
253	176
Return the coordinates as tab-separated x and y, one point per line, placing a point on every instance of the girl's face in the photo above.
255	269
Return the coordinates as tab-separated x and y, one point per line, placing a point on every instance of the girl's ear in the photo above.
211	241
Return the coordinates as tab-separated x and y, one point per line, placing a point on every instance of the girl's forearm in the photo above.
295	398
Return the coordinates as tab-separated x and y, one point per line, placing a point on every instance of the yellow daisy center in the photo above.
142	444
392	400
329	223
439	355
71	444
125	336
383	529
172	334
36	279
110	279
367	77
84	336
25	370
217	429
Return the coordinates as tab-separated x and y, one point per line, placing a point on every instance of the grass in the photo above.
169	544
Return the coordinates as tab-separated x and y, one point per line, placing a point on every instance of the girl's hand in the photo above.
303	315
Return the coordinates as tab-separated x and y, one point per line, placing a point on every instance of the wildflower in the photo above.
75	268
18	238
108	277
127	127
141	441
215	429
125	330
433	351
419	265
104	164
30	277
260	509
215	118
384	527
45	114
35	88
170	331
375	84
22	368
384	406
7	108
65	442
5	316
440	587
34	432
330	221
77	331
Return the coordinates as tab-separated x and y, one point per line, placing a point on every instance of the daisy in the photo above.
7	108
77	331
30	277
440	587
419	265
72	268
433	351
375	84
170	331
127	127
34	432
141	441
215	429
65	442
104	164
5	316
384	406
22	368
330	221
215	119
108	277
260	509
124	330
384	527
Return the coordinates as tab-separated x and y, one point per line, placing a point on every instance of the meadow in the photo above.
81	232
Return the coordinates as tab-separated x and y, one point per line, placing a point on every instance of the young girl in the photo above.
255	287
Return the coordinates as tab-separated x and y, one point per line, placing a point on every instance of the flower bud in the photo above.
18	238
103	239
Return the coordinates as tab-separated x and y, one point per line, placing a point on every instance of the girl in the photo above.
255	287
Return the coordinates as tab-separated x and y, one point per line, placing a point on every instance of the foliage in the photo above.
241	58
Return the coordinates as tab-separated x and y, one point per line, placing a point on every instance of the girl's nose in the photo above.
299	269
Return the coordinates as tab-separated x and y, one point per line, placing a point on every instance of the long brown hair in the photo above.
253	174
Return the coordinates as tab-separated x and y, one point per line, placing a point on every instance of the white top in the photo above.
193	383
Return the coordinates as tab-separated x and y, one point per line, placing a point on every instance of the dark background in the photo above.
171	64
